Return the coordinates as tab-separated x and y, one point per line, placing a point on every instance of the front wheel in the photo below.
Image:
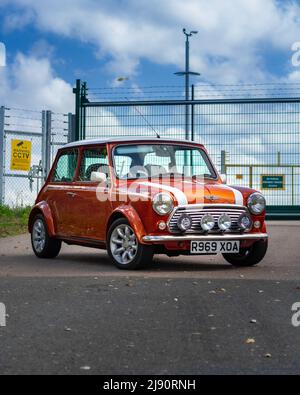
248	256
124	248
43	245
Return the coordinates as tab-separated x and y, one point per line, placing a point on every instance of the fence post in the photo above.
2	154
44	126
193	115
83	99
71	127
48	141
223	162
77	93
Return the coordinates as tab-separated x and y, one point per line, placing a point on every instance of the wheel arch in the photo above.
116	215
132	217
43	209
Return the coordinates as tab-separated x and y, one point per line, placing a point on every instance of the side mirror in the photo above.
224	178
97	176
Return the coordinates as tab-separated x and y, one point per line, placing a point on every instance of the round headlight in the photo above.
224	222
162	203
185	222
245	222
207	222
256	203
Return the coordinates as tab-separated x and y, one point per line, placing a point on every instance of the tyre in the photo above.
248	256
124	249
43	246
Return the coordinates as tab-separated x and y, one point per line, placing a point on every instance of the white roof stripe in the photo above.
121	140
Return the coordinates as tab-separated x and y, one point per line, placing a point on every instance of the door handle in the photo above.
72	194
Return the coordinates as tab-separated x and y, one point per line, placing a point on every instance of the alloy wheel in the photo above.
39	235
123	244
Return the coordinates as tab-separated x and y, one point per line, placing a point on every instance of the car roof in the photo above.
81	143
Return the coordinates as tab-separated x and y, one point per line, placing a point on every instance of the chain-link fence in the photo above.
29	140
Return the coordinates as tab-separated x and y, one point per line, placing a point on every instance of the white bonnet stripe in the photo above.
238	197
179	195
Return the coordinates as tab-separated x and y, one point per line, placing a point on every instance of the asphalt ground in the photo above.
78	314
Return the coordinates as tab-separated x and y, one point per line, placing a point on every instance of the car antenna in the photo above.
144	118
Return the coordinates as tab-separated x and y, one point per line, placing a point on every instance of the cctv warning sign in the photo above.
20	155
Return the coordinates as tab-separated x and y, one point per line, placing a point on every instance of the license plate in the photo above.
215	247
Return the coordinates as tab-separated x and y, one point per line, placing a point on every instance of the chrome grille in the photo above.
198	213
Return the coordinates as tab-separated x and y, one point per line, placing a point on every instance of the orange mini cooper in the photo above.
137	197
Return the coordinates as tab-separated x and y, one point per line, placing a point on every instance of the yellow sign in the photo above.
20	155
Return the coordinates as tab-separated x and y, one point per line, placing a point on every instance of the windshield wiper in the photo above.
209	176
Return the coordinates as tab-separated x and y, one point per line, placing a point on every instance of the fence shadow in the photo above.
160	263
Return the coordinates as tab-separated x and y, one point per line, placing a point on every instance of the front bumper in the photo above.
211	237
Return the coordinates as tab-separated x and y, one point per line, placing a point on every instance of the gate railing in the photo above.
252	131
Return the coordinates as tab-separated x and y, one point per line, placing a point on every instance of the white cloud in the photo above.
228	47
226	50
17	21
31	82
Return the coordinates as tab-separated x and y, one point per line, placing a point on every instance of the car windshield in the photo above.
161	160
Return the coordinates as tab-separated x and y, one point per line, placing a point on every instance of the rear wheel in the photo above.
248	256
43	245
124	248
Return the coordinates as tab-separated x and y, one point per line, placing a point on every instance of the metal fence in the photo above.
45	131
255	141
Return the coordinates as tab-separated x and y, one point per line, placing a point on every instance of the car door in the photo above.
92	200
60	191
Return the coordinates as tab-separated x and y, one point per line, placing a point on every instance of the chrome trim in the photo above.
223	237
214	209
208	205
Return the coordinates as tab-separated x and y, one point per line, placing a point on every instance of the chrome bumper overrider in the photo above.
211	237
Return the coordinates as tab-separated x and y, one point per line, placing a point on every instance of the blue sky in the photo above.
72	58
51	43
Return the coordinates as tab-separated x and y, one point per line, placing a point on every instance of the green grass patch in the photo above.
13	221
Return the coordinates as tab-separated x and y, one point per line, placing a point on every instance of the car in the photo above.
136	197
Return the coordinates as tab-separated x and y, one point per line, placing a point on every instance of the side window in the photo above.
93	159
66	166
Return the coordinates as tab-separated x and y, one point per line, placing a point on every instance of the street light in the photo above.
187	73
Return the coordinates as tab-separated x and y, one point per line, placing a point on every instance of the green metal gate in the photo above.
255	141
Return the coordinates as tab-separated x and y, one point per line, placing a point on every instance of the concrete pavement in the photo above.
281	262
77	314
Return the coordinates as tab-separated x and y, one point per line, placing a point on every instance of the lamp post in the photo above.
187	73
